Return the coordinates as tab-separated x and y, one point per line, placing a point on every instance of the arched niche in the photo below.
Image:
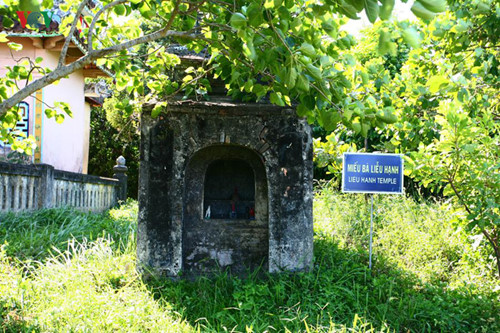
237	242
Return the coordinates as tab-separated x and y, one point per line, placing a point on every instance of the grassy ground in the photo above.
61	270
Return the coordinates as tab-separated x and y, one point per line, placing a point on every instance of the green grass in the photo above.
37	235
61	270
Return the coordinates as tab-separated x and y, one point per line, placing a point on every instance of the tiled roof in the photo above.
42	30
52	30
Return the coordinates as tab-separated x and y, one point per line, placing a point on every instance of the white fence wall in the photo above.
31	187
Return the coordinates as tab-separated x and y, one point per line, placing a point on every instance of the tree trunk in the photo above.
496	249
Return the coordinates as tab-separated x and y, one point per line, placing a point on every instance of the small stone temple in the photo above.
225	186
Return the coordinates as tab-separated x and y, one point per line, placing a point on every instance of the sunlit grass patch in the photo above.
35	235
62	270
92	287
89	287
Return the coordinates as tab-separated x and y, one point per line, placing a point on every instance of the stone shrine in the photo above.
225	185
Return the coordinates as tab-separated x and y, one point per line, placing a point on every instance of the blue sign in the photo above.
372	173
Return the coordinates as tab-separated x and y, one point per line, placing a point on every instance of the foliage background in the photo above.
107	143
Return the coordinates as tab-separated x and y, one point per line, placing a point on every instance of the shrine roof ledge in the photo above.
222	106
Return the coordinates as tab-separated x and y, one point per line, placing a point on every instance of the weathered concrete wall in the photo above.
37	186
177	149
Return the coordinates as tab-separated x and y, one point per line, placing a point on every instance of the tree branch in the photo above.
96	17
193	6
62	56
450	181
64	71
496	249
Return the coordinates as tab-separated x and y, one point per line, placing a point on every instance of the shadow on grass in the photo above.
339	290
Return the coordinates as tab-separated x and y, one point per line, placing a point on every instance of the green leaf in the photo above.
158	108
259	90
3	92
50	113
254	14
64	7
121	83
29	5
421	12
249	50
238	20
448	190
385	43
3	38
59	118
365	127
356	125
314	71
435	6
303	110
119	9
308	50
7	22
146	11
387	115
349	9
482	8
302	83
364	77
15	46
348	114
248	86
371	9
412	37
357	4
275	98
291	78
435	83
268	4
462	95
65	108
386	9
330	28
329	118
344	82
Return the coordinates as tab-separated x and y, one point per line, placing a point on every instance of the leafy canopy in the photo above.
444	96
289	51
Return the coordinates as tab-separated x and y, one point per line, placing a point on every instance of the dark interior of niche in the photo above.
228	182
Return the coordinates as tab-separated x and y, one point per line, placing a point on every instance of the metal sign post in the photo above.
372	173
371	232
